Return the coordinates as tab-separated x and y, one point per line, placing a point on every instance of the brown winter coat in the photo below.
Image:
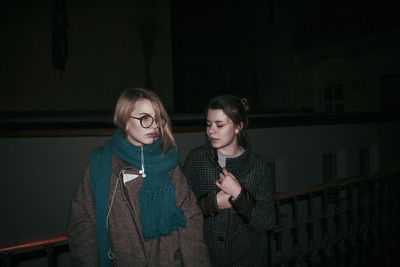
181	248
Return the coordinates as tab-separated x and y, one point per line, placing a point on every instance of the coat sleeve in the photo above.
81	225
244	204
193	249
263	217
208	201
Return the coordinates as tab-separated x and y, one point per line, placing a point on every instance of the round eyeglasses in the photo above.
147	121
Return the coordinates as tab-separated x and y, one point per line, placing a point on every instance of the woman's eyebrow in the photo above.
144	114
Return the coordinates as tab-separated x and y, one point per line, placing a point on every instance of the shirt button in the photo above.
221	239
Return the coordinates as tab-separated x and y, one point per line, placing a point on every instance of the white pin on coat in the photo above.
129	177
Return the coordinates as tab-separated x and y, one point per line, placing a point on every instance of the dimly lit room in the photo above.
321	79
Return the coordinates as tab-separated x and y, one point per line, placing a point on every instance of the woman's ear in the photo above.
239	128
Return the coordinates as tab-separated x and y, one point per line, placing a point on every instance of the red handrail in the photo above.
8	247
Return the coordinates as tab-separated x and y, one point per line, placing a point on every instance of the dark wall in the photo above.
107	46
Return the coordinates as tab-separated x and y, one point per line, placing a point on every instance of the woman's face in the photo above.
136	134
221	131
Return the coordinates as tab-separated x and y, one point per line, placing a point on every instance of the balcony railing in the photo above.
348	222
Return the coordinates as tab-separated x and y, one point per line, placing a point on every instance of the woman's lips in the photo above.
152	135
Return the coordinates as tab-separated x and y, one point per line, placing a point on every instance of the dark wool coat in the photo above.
231	241
181	248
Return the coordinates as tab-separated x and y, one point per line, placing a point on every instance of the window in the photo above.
318	23
333	97
364	156
329	167
390	93
278	168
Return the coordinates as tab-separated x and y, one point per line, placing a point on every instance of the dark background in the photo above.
67	56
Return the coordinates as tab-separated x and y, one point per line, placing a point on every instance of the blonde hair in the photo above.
126	104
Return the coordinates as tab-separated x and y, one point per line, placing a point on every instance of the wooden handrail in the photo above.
12	246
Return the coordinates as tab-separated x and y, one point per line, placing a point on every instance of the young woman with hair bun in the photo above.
233	187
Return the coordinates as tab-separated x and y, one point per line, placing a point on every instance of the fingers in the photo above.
228	183
218	183
225	172
224	175
221	180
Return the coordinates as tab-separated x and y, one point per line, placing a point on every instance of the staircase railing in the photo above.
348	222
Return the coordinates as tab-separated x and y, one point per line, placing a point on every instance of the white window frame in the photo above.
336	99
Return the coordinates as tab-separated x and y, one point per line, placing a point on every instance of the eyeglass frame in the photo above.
164	121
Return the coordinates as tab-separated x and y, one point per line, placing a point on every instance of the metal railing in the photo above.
348	222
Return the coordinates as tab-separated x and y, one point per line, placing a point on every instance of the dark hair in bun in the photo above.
236	109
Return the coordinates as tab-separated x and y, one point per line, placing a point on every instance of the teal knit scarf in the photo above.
159	214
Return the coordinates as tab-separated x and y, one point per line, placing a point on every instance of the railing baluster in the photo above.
363	224
396	197
6	259
51	259
326	244
297	255
351	232
279	258
340	238
391	215
312	250
380	212
373	249
386	236
396	221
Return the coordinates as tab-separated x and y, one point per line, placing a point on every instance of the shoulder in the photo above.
199	150
176	171
196	152
196	159
97	153
256	159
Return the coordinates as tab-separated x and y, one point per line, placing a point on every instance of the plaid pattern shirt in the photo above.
230	241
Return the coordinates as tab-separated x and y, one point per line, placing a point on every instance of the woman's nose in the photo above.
155	124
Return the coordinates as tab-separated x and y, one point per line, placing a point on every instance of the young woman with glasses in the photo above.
133	206
233	186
